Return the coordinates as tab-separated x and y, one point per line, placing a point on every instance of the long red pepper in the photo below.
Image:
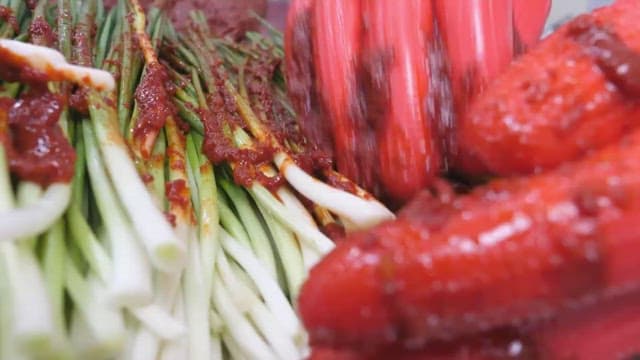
367	94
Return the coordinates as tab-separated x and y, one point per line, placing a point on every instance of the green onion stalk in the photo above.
158	249
34	302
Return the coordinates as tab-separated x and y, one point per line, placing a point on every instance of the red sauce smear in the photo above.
7	15
41	32
219	148
5	105
619	63
334	231
82	44
153	97
37	148
78	100
146	178
14	68
339	182
177	193
31	4
170	218
283	126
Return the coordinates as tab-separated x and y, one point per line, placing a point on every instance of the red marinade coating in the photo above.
512	252
37	148
605	330
559	101
41	33
226	17
7	15
154	101
15	69
219	148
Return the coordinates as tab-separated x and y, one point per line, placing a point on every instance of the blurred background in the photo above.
561	10
277	12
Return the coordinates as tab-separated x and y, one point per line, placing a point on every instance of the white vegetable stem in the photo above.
196	301
359	212
53	63
179	348
266	322
33	326
289	253
249	342
292	219
144	346
248	302
310	256
165	250
159	321
267	286
105	322
34	219
130	282
30	320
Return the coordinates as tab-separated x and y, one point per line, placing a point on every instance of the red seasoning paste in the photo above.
179	200
35	145
153	98
6	15
226	17
259	72
219	148
41	33
14	68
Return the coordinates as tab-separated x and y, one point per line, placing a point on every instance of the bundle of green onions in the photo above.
188	224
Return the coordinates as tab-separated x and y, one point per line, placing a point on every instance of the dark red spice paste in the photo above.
259	74
334	231
219	148
41	33
179	199
153	98
36	146
78	100
31	4
6	14
15	69
226	17
177	193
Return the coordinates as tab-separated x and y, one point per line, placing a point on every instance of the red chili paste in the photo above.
41	33
37	149
154	101
7	15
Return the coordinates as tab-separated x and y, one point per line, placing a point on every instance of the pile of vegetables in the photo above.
191	215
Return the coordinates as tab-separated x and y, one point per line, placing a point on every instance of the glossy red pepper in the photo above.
395	85
372	93
529	18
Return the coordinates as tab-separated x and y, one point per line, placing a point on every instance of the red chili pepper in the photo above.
529	17
373	91
394	80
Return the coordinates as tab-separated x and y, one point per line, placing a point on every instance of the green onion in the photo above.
114	264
